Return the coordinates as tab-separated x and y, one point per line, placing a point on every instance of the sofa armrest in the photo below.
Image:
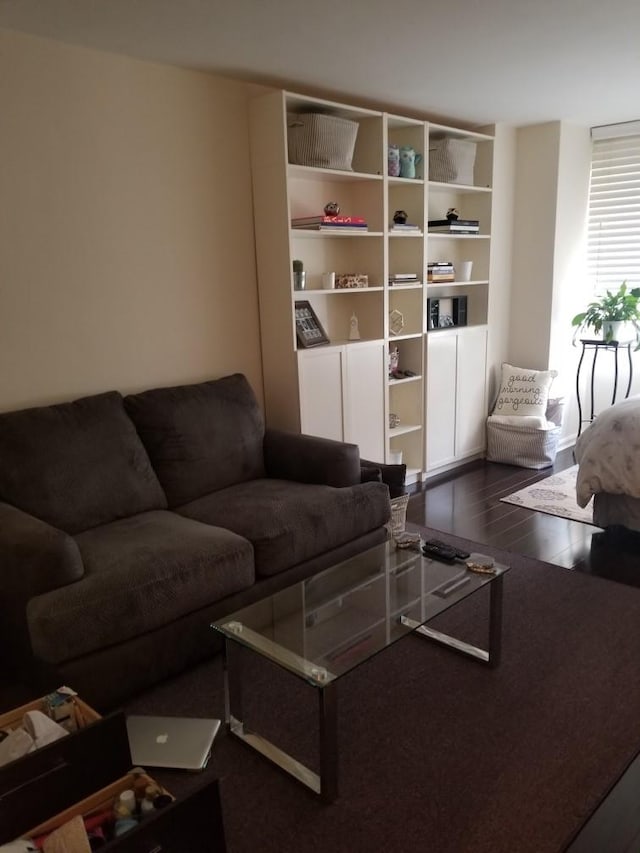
393	475
34	558
309	459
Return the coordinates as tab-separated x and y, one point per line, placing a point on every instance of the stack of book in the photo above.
454	226
441	271
334	224
400	278
404	228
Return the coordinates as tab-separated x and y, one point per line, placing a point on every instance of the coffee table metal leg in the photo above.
491	656
326	782
328	712
495	621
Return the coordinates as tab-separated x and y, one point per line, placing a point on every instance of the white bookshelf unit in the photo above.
343	389
456	358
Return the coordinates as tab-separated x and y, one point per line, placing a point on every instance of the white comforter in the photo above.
608	453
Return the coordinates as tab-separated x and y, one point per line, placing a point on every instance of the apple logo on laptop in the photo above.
162	738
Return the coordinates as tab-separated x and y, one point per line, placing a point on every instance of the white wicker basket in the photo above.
316	139
452	160
398	520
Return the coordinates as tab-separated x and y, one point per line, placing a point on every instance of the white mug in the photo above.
328	280
463	270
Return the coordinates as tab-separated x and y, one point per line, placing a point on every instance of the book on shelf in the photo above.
440	266
461	222
333	226
395	280
405	228
454	229
328	220
340	229
441	277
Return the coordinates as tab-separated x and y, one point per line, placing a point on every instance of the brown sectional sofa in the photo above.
128	523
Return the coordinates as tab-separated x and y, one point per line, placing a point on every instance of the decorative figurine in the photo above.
394	161
394	362
409	159
354	331
396	322
331	208
400	217
452	214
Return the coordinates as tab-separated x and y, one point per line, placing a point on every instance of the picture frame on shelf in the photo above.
309	331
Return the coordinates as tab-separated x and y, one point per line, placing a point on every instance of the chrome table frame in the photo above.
325	783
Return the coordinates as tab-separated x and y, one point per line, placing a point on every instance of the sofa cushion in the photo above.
290	522
76	465
140	574
201	437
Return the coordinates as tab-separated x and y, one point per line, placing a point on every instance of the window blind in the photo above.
613	244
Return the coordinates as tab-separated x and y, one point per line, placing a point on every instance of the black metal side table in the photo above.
595	346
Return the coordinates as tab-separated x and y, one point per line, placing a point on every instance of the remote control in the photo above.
439	551
458	554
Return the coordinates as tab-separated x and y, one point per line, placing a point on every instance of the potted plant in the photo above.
615	315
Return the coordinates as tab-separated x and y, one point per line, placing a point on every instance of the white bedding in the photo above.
608	453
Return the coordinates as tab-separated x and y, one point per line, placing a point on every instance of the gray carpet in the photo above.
438	753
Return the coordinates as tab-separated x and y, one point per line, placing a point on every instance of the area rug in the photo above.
437	752
555	495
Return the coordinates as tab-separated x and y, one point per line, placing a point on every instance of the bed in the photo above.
608	457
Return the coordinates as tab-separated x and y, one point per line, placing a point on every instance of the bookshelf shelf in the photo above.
404	429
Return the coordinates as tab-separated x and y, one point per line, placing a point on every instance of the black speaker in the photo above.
446	311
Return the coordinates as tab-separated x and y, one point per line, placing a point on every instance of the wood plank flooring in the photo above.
467	503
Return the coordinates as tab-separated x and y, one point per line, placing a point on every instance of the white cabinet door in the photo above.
471	408
364	398
342	395
321	392
456	394
441	398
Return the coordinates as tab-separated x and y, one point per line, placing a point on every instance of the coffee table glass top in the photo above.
325	626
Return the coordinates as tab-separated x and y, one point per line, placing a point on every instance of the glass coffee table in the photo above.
324	627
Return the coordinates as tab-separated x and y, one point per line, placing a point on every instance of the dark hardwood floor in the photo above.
466	503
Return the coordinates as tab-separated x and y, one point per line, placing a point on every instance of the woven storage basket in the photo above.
525	446
452	160
316	139
398	514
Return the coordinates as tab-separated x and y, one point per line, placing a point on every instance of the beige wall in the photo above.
552	184
533	243
501	254
126	236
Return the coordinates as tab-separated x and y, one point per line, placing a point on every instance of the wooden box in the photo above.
83	713
193	824
101	800
48	780
84	773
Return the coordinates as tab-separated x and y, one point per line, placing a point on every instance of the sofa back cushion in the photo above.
76	465
202	437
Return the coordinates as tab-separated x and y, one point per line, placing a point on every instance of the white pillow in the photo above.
523	392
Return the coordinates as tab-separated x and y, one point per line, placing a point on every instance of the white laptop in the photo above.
183	743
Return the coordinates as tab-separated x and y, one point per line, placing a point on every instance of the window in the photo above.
613	249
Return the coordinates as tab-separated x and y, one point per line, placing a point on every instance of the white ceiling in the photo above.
475	61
